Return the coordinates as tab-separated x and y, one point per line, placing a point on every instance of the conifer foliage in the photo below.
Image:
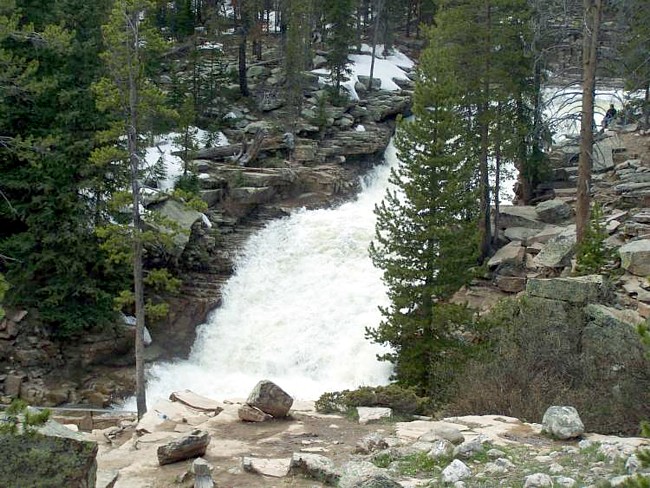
426	239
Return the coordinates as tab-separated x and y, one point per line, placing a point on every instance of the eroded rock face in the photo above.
270	398
562	422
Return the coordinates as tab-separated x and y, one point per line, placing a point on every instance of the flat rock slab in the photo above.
520	233
554	211
546	234
276	468
579	289
511	253
373	414
518	216
196	401
635	257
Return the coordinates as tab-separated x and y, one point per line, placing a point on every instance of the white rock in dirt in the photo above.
562	422
441	448
443	430
372	414
456	471
538	480
565	481
315	466
276	468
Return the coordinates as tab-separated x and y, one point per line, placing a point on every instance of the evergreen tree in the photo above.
47	123
135	102
297	51
338	17
484	44
425	237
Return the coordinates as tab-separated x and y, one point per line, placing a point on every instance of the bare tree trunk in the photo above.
484	226
132	138
497	175
593	13
380	7
243	33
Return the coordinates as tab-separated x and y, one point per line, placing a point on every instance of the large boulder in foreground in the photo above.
562	422
55	456
270	398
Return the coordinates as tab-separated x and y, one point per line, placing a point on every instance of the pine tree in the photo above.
47	123
425	238
297	51
135	102
338	16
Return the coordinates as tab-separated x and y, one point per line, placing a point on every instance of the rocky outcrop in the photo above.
54	456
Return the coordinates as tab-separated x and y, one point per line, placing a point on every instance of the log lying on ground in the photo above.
186	447
223	152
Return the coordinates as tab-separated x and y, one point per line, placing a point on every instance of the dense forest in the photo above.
84	87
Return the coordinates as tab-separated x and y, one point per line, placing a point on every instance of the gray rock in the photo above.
520	233
456	471
557	252
518	216
603	158
578	289
512	253
565	481
362	474
276	468
562	422
202	474
182	217
371	443
441	448
319	61
538	480
554	211
270	398
188	446
373	414
248	413
376	82
546	234
443	431
610	337
635	257
315	466
470	448
62	458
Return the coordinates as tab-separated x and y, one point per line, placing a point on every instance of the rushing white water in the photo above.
296	309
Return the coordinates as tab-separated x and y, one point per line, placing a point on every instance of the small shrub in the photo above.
592	254
402	400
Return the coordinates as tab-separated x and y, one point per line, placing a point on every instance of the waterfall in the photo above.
295	310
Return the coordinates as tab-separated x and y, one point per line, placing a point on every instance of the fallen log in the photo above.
223	152
189	446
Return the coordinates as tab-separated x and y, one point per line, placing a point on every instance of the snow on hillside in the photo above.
396	65
167	144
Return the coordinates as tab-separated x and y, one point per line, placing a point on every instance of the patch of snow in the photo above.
209	46
386	69
206	221
360	128
166	145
